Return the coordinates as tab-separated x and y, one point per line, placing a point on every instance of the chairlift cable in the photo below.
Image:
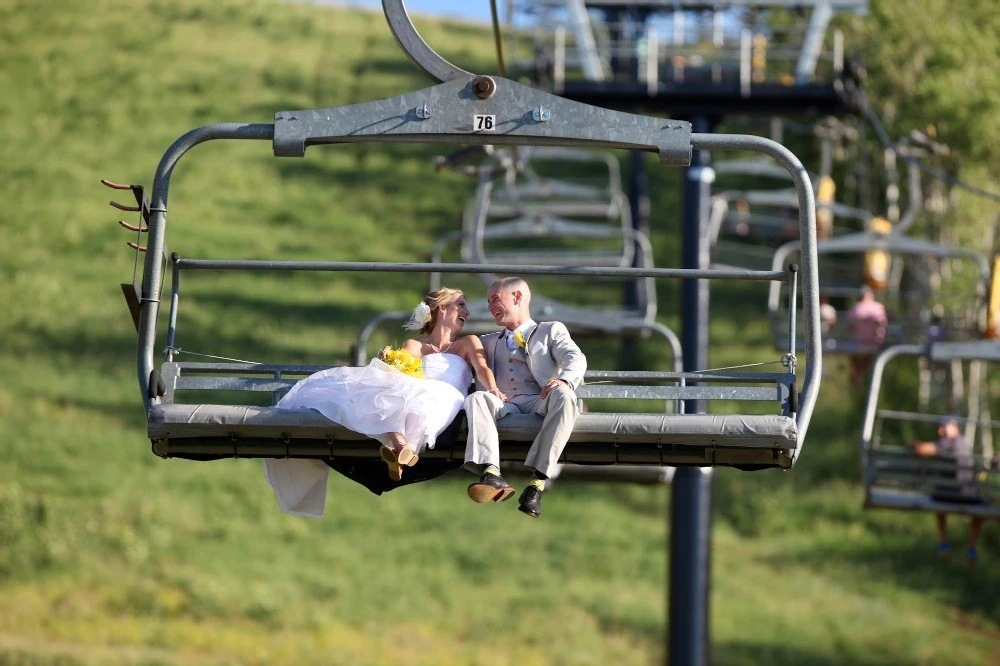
497	39
937	173
178	350
745	365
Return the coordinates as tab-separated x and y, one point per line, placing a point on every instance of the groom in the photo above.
538	367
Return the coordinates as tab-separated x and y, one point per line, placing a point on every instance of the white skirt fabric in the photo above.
374	400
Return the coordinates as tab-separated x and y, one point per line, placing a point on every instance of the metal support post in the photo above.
691	492
690	570
638	201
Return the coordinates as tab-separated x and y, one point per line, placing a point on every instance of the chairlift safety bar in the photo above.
391	267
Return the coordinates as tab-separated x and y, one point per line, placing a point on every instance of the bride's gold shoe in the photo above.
406	456
396	460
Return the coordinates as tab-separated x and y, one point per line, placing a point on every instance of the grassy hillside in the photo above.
109	555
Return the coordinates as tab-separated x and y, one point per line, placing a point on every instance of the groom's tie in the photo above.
509	340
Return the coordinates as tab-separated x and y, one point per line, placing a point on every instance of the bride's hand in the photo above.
498	393
381	354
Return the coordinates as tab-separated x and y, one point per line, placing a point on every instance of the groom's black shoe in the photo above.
490	488
530	502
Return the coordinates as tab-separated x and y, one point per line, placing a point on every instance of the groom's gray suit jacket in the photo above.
549	350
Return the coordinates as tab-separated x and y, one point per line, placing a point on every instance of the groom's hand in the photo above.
551	385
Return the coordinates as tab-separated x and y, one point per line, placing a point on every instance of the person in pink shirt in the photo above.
868	324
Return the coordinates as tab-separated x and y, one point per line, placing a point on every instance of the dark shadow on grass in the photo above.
262	308
128	414
909	561
645	628
84	347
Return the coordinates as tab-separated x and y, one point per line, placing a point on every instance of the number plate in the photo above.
482	123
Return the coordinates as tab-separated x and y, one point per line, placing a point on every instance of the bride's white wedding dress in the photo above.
374	400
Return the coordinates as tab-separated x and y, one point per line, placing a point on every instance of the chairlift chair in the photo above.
442	114
909	313
484	241
525	192
743	222
895	477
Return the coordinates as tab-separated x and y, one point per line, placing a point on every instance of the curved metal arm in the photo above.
422	55
878	369
916	200
152	277
810	272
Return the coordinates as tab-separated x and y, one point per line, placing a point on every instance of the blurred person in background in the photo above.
868	325
957	483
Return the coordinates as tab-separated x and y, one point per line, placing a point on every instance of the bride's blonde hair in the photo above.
434	300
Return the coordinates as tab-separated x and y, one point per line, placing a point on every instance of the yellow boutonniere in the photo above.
519	339
401	360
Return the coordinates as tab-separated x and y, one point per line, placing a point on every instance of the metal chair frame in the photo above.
449	113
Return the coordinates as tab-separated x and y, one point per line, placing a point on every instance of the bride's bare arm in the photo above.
414	347
472	351
411	346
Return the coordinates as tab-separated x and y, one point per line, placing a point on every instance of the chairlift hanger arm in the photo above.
456	112
422	55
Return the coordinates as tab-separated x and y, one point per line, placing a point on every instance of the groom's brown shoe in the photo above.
490	488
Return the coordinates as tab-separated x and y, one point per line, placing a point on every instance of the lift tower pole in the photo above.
689	572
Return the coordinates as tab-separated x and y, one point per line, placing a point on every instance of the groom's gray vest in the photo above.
511	371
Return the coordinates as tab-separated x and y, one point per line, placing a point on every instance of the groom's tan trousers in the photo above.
482	409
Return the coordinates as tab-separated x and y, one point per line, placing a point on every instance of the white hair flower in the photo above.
420	316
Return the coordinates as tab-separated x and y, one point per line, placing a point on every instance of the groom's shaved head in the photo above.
511	284
508	300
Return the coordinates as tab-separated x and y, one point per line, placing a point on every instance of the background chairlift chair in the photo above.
751	441
744	223
909	312
547	239
733	229
895	477
524	191
602	216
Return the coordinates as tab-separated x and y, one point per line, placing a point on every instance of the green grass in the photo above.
109	555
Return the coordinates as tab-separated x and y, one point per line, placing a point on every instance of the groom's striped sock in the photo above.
492	469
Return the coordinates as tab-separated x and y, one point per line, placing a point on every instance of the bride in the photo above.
406	414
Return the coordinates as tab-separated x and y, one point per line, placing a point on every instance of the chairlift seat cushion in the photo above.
762	431
180	421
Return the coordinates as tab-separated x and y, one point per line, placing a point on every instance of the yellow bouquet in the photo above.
401	360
